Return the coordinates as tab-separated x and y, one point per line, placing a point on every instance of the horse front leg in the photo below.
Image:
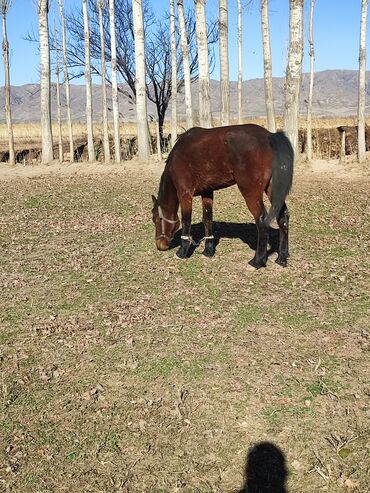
186	205
207	204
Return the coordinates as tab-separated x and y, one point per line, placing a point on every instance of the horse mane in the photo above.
170	156
161	183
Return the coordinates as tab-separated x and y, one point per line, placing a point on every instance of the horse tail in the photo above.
282	173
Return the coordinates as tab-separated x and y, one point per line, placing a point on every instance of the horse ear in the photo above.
155	201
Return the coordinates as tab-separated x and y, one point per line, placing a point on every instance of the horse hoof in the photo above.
209	252
256	265
181	253
281	262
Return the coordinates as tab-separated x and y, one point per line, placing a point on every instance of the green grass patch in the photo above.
277	415
37	202
248	315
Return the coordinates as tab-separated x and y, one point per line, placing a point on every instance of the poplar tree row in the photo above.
179	35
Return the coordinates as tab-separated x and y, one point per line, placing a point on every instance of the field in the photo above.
124	369
326	140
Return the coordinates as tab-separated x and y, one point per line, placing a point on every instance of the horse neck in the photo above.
167	195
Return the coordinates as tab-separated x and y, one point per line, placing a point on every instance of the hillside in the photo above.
335	95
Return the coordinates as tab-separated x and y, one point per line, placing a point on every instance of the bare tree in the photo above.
112	25
186	64
57	87
361	84
5	6
89	109
46	131
173	74
224	63
267	66
157	51
294	71
310	91
59	113
203	64
101	4
66	81
140	86
240	64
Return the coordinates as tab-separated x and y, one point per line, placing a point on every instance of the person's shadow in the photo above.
265	470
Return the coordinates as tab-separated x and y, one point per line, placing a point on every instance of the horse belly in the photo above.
213	177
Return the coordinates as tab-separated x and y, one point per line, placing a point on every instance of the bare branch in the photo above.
157	44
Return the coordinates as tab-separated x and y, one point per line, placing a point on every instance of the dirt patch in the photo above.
126	370
347	169
77	169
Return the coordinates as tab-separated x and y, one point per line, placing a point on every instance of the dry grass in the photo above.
326	140
318	122
126	370
30	132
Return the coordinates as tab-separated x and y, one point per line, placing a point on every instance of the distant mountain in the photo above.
335	95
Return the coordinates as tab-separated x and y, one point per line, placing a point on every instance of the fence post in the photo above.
343	147
342	131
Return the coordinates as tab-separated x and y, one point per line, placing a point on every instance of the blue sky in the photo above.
336	32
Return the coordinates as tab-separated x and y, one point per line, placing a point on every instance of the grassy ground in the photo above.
126	370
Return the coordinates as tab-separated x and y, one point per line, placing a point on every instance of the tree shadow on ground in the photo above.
265	470
246	232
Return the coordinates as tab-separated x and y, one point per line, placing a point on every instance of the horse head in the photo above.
165	227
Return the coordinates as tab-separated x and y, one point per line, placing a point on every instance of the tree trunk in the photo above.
140	85
160	120
59	114
158	133
267	66
8	114
173	74
310	92
224	63
203	65
186	65
66	81
361	84
294	72
46	132
89	110
117	140
240	64
103	84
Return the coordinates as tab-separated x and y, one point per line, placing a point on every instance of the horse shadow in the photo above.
246	232
265	470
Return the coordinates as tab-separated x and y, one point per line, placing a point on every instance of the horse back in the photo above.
210	159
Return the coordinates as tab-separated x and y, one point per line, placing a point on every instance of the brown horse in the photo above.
204	160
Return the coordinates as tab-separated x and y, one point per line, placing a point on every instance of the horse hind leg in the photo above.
283	222
260	258
207	204
186	205
255	205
